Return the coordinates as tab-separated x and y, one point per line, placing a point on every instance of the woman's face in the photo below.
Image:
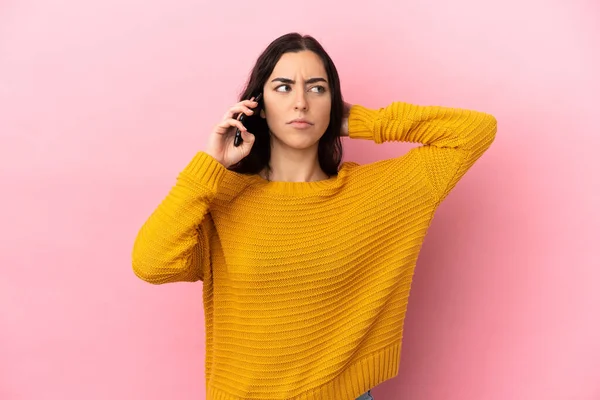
297	89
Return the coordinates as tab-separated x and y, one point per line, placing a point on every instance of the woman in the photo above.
306	261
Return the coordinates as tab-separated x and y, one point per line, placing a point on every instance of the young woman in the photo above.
306	261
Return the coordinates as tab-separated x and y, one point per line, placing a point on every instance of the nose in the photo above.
301	103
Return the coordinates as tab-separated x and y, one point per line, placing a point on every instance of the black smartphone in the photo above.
238	134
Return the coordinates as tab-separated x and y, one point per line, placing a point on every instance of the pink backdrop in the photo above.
102	103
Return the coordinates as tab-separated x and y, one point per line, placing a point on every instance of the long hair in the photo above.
330	150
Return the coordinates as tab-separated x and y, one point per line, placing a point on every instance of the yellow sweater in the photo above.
306	284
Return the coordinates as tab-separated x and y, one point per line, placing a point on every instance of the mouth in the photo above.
300	123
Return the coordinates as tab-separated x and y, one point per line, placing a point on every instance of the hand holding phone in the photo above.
238	134
220	146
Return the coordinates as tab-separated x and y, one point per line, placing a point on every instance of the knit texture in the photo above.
306	284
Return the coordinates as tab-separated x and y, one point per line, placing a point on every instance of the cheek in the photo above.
324	114
273	111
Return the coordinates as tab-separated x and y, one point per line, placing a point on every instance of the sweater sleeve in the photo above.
172	245
452	138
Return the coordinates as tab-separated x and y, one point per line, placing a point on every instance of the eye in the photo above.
281	86
321	88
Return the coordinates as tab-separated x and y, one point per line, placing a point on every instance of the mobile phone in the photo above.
238	134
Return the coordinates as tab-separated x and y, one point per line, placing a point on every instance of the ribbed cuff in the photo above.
362	123
206	170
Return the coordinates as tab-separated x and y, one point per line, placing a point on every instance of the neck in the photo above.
292	165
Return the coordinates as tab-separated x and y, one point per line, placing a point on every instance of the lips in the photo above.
299	121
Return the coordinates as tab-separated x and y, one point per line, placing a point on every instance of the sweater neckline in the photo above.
295	188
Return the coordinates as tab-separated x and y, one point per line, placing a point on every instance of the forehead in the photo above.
301	64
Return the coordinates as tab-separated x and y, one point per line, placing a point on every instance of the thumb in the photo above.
248	139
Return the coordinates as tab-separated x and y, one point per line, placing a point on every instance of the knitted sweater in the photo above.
306	284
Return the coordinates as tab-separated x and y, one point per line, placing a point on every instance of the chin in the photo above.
301	143
300	140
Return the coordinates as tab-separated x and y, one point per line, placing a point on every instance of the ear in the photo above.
262	113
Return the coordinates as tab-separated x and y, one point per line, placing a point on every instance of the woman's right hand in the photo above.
220	141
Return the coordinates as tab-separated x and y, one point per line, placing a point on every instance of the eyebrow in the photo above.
308	81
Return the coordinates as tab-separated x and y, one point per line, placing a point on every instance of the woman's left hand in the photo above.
347	107
346	114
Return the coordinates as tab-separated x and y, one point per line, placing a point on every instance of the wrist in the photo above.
217	159
347	107
344	131
345	117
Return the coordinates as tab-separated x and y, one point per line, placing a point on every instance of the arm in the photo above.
171	246
452	138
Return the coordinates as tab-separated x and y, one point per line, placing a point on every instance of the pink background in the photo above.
102	103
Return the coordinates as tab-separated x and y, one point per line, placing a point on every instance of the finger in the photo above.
248	140
231	113
249	103
247	135
226	124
